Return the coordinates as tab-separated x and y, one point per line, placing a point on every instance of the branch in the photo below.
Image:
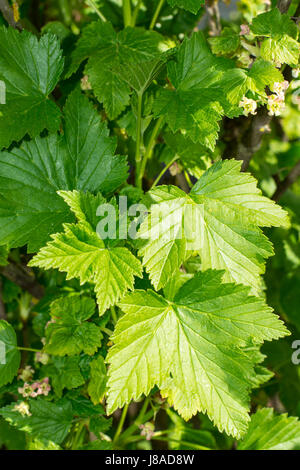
245	139
283	5
24	278
214	19
8	14
282	186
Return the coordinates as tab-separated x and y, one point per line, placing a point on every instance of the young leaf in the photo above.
199	340
198	98
109	53
82	254
270	432
97	384
46	420
30	208
281	32
64	372
30	70
10	356
226	43
220	216
71	333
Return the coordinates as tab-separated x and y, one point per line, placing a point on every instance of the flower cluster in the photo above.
147	430
22	408
35	389
249	106
276	103
26	374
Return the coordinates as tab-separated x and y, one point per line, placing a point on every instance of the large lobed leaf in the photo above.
192	348
30	69
82	158
10	356
219	219
111	54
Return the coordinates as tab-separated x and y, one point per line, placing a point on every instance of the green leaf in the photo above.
270	432
83	159
64	372
190	5
97	384
84	205
219	220
82	254
10	356
82	406
197	100
71	333
226	43
47	420
30	69
109	53
191	348
281	32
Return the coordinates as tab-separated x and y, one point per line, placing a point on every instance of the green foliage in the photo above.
30	70
149	278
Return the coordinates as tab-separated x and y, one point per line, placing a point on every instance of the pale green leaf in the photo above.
190	5
191	348
268	431
219	219
82	254
226	43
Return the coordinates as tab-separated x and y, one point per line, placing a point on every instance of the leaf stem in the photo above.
163	171
127	13
156	14
92	4
149	150
121	423
114	315
135	13
138	135
141	418
28	349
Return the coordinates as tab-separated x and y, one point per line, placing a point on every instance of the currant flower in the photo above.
22	408
275	105
280	88
295	73
244	30
41	357
249	106
26	374
27	391
147	430
43	387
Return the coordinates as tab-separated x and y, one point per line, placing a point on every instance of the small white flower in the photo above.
22	408
275	105
295	73
249	106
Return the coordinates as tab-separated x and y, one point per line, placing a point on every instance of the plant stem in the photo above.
28	349
188	179
121	423
126	13
135	13
141	418
114	315
92	4
149	150
156	13
138	135
107	331
163	171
